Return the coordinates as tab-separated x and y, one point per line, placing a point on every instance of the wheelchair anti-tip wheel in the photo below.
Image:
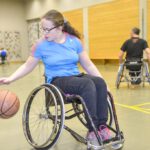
43	117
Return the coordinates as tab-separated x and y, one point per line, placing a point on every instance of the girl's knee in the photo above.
87	84
100	82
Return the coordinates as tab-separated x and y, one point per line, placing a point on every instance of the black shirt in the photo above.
134	49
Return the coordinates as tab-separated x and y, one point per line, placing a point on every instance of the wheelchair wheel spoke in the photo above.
41	123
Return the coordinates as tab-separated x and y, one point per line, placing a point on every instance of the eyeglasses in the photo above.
48	30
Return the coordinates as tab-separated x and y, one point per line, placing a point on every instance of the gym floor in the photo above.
132	105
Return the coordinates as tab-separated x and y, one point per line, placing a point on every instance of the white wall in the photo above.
36	8
12	17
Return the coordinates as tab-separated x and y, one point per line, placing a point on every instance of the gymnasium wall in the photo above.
13	28
36	8
109	27
75	17
108	23
71	10
148	21
104	23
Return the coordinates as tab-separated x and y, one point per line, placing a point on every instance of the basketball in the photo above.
9	104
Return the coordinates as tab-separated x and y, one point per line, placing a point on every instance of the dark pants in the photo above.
3	58
94	92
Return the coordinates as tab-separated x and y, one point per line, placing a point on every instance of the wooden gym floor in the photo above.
132	105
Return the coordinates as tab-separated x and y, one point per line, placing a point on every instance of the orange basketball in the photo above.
9	104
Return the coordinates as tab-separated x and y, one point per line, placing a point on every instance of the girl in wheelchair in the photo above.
94	92
60	51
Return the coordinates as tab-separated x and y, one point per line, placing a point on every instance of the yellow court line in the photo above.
141	104
147	109
133	108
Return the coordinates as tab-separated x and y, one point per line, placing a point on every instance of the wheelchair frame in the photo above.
123	73
54	112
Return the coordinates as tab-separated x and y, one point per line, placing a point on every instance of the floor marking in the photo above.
133	108
141	104
146	109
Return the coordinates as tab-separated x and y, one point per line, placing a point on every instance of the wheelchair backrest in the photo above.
133	62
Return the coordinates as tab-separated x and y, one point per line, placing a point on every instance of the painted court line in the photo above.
146	109
133	108
141	104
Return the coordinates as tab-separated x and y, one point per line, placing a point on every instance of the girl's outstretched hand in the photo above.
5	80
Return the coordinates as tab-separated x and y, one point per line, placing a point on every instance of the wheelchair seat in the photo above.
133	64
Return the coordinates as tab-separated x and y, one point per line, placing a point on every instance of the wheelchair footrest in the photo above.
114	143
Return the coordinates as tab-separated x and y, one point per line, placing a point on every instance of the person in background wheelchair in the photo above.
134	48
60	51
3	56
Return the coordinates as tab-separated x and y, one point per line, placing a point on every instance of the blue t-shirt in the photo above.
59	59
3	53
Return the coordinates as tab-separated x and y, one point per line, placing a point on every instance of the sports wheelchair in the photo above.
44	115
133	71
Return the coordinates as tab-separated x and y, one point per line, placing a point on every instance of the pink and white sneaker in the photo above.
104	132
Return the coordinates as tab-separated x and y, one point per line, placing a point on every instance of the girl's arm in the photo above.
23	70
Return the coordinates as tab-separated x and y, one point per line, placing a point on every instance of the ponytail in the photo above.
69	29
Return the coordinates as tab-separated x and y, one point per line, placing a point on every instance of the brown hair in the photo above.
136	30
58	20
